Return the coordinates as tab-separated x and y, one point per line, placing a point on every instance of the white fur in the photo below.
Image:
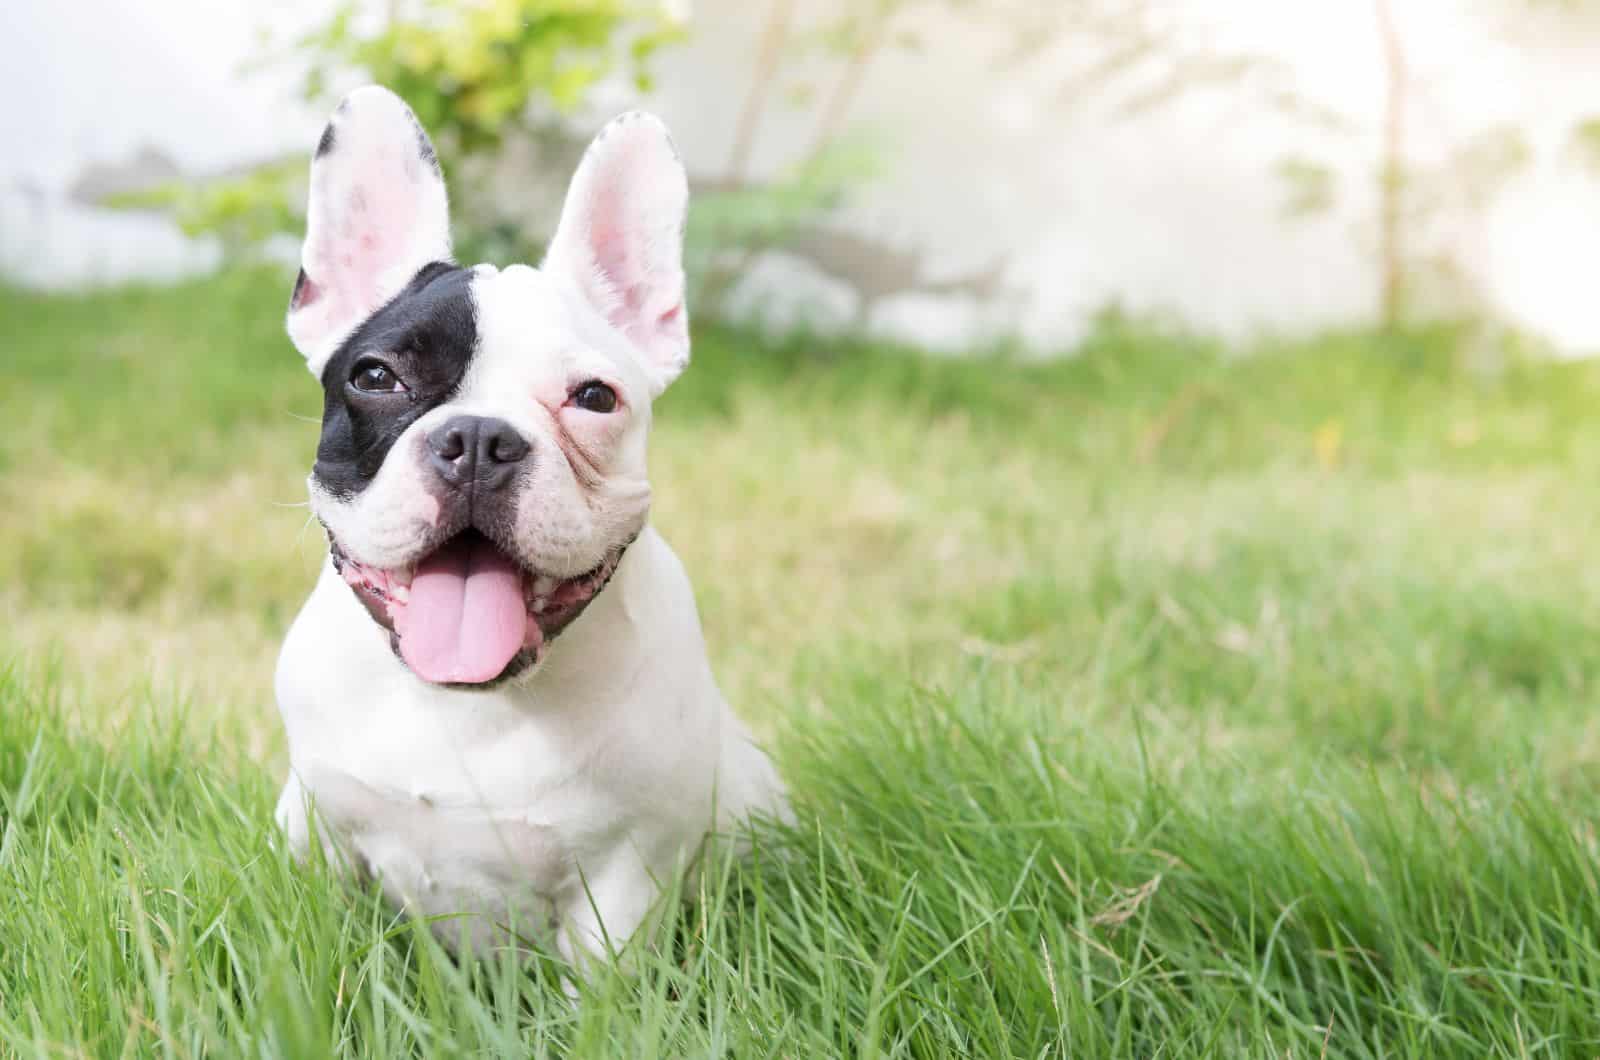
596	778
554	806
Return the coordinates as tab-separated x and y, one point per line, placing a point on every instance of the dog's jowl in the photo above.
497	698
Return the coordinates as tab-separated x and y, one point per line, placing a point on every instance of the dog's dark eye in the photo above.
595	396
375	378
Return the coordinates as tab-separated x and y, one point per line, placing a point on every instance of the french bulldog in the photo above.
497	698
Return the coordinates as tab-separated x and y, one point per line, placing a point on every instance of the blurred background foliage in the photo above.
496	84
510	91
480	77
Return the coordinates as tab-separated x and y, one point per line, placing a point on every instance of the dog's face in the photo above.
482	461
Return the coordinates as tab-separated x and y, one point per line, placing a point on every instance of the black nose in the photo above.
476	451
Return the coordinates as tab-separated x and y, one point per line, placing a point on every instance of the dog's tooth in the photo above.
539	605
543	585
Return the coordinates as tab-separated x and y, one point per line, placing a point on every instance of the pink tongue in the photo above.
465	617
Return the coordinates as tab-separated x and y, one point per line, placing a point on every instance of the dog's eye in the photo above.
595	396
375	378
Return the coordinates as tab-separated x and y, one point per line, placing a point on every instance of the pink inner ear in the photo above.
608	242
305	292
622	264
366	227
610	246
372	226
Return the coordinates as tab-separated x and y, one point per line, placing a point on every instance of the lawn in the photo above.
1167	699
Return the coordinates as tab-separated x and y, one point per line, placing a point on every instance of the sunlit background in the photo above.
945	172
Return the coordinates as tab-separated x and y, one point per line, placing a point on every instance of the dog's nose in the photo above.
476	451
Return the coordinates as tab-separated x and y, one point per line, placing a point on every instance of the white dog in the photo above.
497	698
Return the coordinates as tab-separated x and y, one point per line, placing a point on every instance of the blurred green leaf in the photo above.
1310	186
1584	144
735	221
1486	162
242	209
474	71
476	74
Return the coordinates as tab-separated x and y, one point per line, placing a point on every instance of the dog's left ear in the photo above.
378	213
620	240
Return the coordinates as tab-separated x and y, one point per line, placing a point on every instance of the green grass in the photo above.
1165	700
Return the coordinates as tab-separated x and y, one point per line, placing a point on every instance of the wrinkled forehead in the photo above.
533	331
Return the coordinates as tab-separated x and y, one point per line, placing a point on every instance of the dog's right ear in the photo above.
377	214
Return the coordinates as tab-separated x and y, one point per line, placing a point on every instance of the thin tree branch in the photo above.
844	92
767	62
1392	176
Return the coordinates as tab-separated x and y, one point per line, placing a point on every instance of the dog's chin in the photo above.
467	613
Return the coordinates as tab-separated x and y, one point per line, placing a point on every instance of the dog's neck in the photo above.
584	667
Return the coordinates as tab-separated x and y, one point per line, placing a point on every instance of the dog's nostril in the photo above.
502	444
451	446
449	441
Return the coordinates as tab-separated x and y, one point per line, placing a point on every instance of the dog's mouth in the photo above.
468	613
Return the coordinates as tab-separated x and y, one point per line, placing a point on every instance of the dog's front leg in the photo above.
298	821
293	815
604	912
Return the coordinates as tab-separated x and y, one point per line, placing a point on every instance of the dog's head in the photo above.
482	461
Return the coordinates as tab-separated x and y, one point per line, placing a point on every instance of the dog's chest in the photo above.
450	853
455	810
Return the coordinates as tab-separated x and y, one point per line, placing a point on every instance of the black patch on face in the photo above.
325	144
426	336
